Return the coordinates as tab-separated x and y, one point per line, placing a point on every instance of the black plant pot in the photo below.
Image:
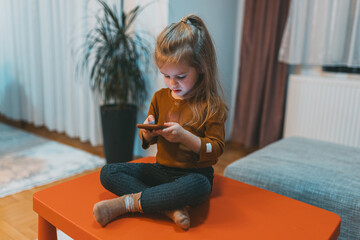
118	128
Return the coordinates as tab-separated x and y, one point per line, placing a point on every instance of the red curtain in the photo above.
259	109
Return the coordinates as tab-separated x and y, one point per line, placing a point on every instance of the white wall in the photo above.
224	22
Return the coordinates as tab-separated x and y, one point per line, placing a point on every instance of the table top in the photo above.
234	210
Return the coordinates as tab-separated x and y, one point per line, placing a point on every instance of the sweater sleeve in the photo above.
152	111
213	142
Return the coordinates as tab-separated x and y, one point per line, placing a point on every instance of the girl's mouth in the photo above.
176	90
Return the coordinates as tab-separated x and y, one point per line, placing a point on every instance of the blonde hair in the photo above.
188	41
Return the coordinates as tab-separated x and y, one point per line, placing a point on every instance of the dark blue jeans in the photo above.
163	188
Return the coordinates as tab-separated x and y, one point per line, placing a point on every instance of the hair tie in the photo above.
184	19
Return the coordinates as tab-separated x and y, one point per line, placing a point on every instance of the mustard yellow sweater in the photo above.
165	108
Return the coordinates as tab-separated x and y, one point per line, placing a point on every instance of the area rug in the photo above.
27	160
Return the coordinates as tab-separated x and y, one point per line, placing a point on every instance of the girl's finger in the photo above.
151	119
169	128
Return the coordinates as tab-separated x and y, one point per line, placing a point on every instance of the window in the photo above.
341	69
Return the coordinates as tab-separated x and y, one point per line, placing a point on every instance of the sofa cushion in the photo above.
322	174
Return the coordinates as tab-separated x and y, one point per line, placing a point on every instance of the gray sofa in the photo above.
322	174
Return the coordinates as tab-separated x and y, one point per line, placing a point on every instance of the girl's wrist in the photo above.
191	141
185	136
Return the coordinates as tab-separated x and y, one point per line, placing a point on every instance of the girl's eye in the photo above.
166	76
181	77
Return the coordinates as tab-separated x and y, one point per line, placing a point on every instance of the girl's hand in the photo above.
148	135
173	133
149	120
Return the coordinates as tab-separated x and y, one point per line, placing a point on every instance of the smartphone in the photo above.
151	126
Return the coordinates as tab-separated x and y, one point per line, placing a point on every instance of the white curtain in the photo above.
38	80
322	32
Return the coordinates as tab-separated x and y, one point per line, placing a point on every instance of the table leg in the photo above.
46	231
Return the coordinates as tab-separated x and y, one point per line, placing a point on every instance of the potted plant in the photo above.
116	56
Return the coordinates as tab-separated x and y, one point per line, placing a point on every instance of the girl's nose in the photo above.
173	82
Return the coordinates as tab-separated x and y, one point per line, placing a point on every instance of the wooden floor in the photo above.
18	220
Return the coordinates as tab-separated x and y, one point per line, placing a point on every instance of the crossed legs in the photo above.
143	187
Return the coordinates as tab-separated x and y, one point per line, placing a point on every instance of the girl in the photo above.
194	113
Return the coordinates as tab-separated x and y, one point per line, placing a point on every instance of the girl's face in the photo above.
180	78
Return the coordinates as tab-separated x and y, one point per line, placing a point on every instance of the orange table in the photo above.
235	211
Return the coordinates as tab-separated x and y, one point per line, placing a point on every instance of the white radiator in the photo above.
323	108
